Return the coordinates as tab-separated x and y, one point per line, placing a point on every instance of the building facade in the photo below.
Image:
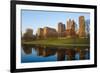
70	31
82	32
61	30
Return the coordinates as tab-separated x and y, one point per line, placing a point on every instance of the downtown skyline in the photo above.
40	19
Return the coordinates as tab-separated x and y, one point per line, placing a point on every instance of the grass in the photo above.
60	42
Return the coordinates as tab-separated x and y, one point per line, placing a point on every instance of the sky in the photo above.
38	19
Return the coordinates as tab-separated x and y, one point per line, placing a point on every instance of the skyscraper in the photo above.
69	24
61	29
82	32
70	28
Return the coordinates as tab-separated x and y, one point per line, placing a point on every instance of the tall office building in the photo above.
82	32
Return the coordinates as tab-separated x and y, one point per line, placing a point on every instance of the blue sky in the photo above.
39	19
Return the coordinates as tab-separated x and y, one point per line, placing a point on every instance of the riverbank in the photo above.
60	42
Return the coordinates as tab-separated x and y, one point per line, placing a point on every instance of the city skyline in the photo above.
40	19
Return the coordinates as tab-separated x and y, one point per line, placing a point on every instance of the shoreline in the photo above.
54	44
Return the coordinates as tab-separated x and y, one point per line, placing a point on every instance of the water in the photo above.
37	53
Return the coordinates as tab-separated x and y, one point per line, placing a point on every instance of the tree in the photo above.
28	35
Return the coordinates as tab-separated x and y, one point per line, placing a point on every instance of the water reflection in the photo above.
37	53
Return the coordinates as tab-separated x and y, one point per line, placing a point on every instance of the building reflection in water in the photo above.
70	54
44	51
61	53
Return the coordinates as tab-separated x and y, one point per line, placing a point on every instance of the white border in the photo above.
20	65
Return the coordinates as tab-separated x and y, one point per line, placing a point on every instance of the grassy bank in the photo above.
61	42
